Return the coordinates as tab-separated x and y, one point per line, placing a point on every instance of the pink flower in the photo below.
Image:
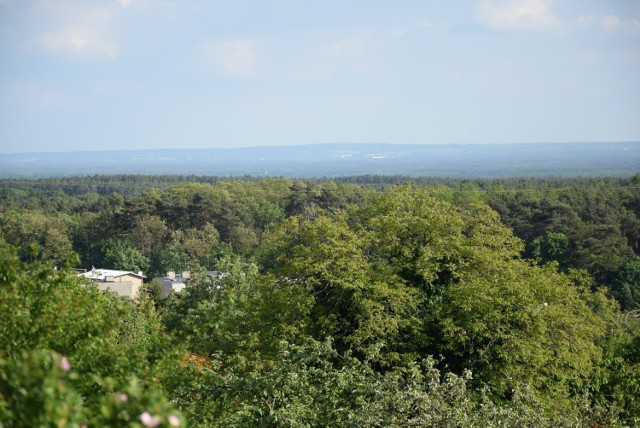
64	364
174	421
149	420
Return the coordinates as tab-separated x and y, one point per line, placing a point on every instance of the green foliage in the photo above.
137	406
600	219
411	275
37	235
352	290
357	306
519	324
200	245
626	284
36	391
153	290
51	320
311	384
551	247
171	257
616	383
239	315
119	255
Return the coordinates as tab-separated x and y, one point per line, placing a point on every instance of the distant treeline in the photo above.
132	184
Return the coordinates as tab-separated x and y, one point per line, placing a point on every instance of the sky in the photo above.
150	74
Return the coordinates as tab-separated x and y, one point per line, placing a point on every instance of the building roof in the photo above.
178	280
217	274
101	274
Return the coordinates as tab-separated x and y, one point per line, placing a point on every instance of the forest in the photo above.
365	301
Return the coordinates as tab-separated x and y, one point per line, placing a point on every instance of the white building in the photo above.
178	281
125	283
173	282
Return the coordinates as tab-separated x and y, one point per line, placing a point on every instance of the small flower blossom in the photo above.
174	421
64	364
149	420
121	396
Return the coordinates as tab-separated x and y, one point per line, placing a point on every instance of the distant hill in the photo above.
333	160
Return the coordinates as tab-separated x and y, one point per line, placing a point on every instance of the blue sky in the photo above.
135	74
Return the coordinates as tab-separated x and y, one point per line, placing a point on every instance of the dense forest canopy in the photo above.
362	301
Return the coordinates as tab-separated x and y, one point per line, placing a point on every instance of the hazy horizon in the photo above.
615	159
362	144
137	74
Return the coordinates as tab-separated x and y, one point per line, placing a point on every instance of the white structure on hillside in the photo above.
125	283
173	282
179	281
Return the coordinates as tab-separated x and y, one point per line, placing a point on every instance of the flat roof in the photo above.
101	274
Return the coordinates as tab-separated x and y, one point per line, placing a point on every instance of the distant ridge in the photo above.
331	160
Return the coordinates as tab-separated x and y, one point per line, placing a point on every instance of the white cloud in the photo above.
516	14
36	96
349	47
611	23
76	28
586	20
347	54
79	41
124	3
233	58
50	98
115	86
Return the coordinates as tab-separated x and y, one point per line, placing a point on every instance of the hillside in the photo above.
332	160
